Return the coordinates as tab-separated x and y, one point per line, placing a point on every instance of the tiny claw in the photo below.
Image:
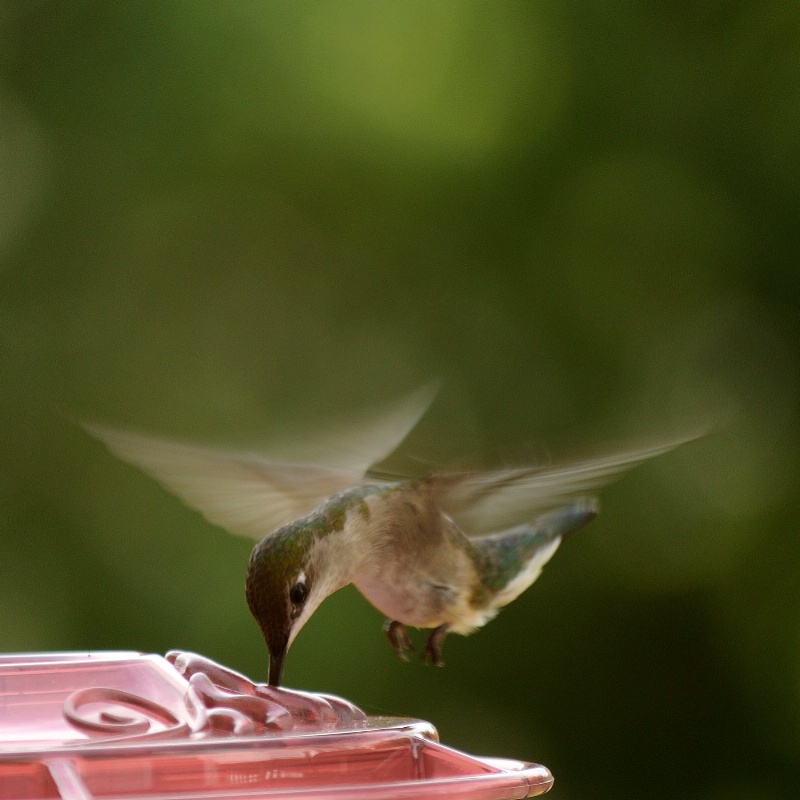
432	652
398	638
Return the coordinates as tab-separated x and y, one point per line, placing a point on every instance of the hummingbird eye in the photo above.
298	594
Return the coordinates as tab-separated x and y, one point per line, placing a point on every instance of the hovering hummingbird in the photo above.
446	551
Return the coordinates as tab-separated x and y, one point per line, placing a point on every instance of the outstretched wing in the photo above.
368	439
482	502
250	495
246	494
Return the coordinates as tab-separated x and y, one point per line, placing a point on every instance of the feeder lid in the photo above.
132	726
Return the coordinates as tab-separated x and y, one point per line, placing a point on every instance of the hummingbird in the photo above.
445	551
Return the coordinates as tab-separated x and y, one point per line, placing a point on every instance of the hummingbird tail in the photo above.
567	520
510	561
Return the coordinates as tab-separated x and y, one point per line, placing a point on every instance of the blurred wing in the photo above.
250	495
246	494
483	502
368	439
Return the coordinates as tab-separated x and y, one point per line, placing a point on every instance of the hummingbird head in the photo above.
283	589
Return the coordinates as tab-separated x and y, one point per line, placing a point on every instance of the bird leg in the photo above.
398	638
432	652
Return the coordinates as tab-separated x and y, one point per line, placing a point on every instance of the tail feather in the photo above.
565	521
510	561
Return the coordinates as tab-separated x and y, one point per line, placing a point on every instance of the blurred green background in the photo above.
229	221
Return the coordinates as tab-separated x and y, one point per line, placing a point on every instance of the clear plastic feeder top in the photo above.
128	726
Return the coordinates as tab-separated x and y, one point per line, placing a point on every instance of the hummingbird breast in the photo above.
418	569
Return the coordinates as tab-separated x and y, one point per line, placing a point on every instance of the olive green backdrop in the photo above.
238	221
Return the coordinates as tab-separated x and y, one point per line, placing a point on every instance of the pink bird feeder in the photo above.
129	726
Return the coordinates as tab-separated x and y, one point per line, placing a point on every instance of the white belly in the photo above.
396	600
424	605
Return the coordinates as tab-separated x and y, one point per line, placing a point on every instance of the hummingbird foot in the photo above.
398	638
432	652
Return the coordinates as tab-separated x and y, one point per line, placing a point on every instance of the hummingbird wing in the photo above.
482	502
244	493
251	495
367	440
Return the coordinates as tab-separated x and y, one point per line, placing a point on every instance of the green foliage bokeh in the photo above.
226	221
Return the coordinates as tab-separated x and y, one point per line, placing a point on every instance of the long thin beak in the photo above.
276	661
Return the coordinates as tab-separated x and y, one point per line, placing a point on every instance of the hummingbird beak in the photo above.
276	661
